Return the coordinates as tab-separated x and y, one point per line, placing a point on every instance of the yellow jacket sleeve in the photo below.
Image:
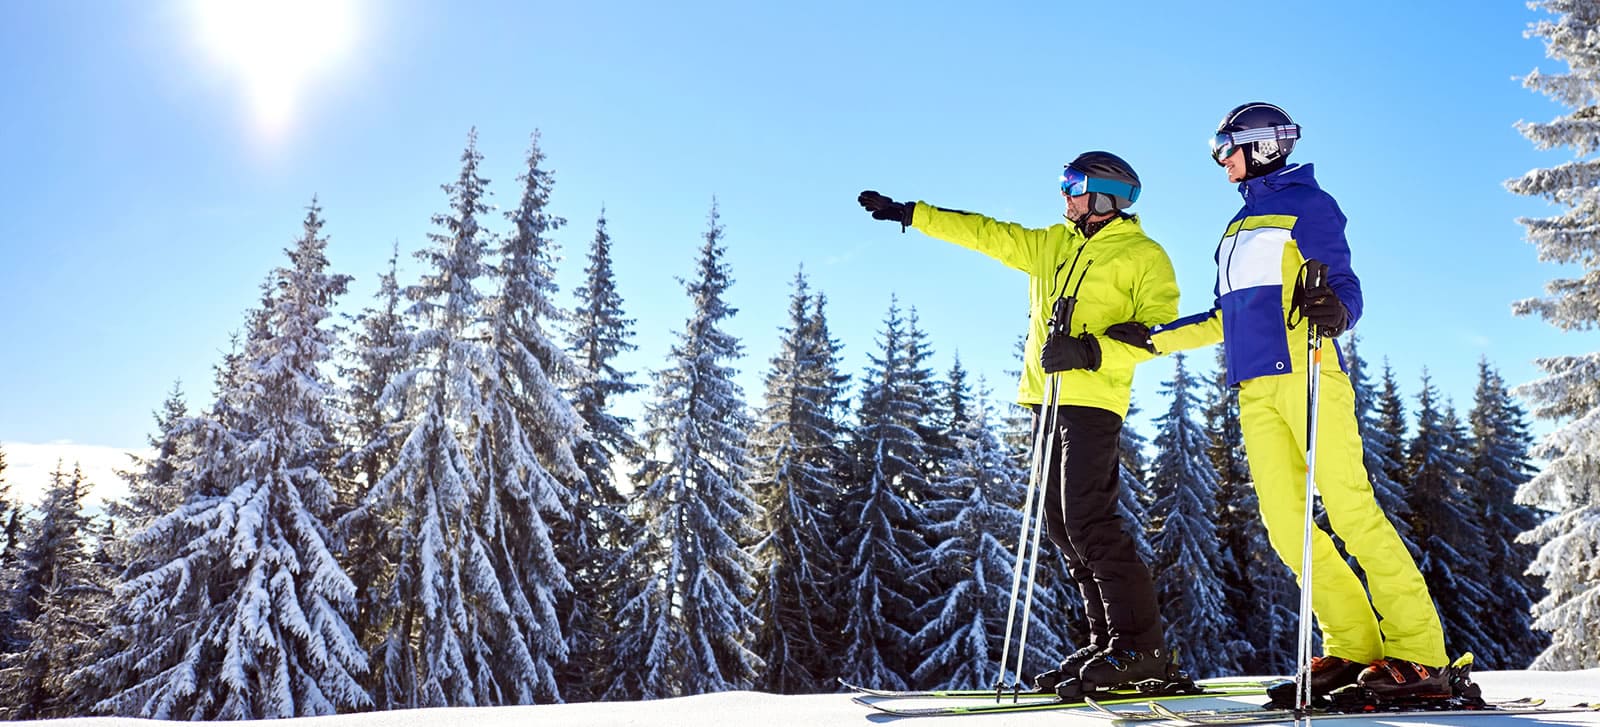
1012	244
1155	299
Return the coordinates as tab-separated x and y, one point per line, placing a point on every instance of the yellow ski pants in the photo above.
1272	415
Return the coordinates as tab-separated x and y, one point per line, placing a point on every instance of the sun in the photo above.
273	48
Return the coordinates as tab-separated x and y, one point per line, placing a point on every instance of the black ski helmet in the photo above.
1107	166
1264	131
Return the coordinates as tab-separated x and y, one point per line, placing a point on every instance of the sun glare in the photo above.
273	48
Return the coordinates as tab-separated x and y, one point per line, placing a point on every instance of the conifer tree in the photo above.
1262	594
1442	517
885	544
250	616
155	484
466	495
1379	443
1499	466
688	620
1391	420
524	444
1192	591
797	462
377	354
593	540
966	622
10	529
56	603
1569	485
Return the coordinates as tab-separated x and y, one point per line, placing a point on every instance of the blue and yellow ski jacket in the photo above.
1286	220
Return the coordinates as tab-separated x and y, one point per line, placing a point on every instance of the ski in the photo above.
1151	713
1272	716
1038	705
1251	686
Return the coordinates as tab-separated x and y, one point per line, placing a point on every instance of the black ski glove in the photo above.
1134	334
883	208
1066	353
1320	305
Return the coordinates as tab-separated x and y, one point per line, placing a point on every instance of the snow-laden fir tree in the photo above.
1499	466
924	389
966	623
1263	598
1379	443
459	627
592	541
1188	581
885	545
1444	523
10	532
249	620
377	351
525	433
687	622
155	483
796	463
1391	419
1569	485
57	601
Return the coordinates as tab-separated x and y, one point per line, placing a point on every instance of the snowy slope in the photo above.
751	709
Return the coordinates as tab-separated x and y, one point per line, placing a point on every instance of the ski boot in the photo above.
1069	668
1398	680
1120	669
1327	674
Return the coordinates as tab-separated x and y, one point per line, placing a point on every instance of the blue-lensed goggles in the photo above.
1223	144
1075	183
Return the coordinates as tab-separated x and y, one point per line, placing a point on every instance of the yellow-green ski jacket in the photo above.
1124	275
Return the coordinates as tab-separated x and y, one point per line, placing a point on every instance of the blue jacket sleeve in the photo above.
1319	233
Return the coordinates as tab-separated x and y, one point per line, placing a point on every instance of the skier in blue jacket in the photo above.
1392	643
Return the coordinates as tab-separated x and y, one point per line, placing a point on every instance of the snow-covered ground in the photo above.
753	709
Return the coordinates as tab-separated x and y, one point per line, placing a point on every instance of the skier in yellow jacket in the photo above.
1101	257
1286	220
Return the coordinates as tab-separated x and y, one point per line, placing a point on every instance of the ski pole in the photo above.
1314	275
1038	527
1042	439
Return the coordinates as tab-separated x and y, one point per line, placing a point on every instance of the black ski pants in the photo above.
1082	486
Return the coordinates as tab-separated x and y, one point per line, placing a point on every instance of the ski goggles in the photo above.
1223	144
1075	183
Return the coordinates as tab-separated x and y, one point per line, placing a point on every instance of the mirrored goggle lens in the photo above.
1074	182
1221	146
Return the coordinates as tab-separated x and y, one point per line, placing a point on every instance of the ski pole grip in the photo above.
1061	314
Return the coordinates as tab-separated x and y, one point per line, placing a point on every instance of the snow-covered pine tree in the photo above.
10	532
1391	419
923	390
377	352
592	541
688	621
1499	466
1379	444
1569	485
249	618
58	603
885	540
155	484
1262	594
1442	520
523	435
1188	581
456	627
797	460
966	623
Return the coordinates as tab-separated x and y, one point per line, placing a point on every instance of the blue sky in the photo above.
146	192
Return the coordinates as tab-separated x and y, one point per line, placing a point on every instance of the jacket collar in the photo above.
1284	178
